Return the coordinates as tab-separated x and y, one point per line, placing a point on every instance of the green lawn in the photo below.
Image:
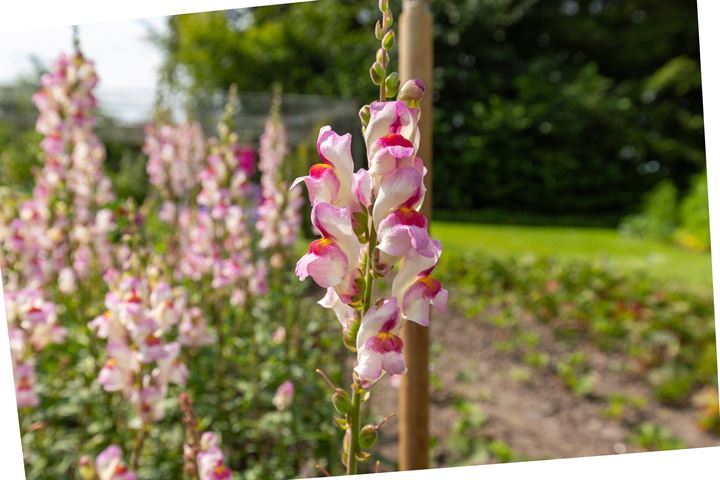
661	260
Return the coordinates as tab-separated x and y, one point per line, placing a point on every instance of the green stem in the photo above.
354	415
137	450
352	461
220	358
369	279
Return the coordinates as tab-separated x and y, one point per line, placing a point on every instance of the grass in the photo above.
663	261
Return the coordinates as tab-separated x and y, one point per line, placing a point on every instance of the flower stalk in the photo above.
370	223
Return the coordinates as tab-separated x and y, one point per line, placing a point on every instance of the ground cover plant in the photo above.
542	357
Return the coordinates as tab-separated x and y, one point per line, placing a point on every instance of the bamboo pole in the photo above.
415	50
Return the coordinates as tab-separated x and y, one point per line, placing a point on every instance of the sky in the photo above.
127	62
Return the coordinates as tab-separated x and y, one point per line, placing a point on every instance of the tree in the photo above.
544	107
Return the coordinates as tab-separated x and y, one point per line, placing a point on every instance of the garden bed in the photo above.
510	381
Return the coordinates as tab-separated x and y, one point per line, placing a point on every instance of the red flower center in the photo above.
395	140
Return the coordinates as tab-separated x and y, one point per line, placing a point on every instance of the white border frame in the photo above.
701	462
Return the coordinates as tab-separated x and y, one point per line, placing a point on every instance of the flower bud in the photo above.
350	334
388	41
388	19
381	56
391	84
86	468
377	73
341	401
364	115
383	5
341	423
378	30
412	92
368	437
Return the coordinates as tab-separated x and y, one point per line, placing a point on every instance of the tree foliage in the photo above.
548	107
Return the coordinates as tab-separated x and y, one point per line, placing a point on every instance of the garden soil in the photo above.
527	408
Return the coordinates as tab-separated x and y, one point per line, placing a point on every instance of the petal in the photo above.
348	288
336	223
325	263
389	152
335	150
369	365
394	363
322	183
404	188
363	187
440	302
402	230
417	299
345	313
391	117
380	317
414	264
332	222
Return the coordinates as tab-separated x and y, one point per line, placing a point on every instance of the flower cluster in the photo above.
142	315
176	154
108	465
62	232
219	242
279	210
370	222
32	325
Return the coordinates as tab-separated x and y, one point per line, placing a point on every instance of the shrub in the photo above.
694	229
658	217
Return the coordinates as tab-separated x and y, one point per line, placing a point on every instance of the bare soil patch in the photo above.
529	408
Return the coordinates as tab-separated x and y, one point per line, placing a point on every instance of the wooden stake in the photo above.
416	61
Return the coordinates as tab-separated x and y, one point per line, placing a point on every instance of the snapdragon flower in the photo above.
142	361
376	226
32	325
219	242
64	228
176	154
210	459
279	210
370	223
284	395
109	465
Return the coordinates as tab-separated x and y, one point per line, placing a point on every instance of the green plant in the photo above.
618	405
694	229
658	217
654	437
575	373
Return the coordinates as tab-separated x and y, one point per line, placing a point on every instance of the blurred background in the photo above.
570	195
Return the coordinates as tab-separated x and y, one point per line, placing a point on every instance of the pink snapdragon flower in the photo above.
378	342
142	362
415	289
65	228
219	242
332	180
25	394
370	221
32	325
284	395
210	459
279	210
176	155
109	465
